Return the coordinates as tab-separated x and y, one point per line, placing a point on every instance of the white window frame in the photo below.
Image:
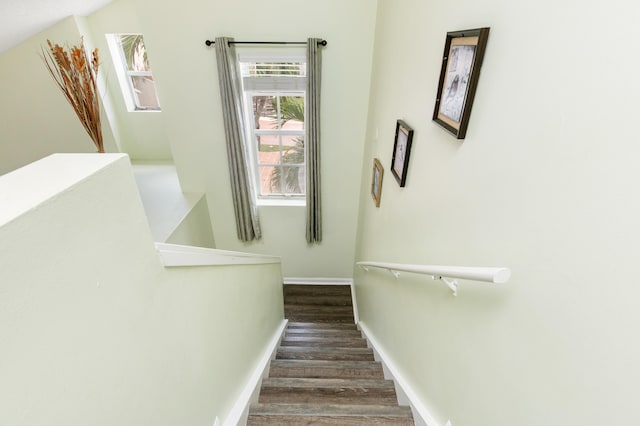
255	147
125	75
272	87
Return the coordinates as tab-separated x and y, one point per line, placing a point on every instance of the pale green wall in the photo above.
142	134
174	217
195	227
187	78
94	330
545	183
35	118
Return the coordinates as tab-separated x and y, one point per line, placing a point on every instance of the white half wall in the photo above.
94	329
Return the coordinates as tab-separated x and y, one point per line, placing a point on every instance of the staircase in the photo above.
324	373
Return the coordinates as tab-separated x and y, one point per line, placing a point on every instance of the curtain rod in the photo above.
321	42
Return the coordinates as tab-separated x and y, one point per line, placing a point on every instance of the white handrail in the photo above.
445	273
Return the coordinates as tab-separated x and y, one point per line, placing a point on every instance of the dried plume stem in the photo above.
76	75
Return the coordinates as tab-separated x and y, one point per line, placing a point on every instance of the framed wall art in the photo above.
461	62
401	151
376	181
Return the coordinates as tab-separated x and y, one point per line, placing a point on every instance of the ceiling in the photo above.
21	19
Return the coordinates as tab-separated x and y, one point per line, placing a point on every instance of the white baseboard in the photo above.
354	303
240	411
317	281
421	415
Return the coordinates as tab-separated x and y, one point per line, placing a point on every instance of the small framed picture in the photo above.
376	181
401	151
461	62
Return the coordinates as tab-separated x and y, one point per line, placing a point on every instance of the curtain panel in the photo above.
312	140
246	212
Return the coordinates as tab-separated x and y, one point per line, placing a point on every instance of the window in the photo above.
274	89
134	72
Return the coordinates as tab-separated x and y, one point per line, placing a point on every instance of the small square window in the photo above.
144	92
134	71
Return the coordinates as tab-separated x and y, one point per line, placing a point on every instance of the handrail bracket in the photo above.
452	284
395	273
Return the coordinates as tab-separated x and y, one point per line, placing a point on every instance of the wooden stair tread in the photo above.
345	320
328	391
319	313
303	382
328	318
312	349
298	337
320	300
315	332
284	420
325	369
319	308
319	352
324	363
337	342
320	326
329	410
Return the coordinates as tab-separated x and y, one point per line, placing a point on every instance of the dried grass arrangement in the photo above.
76	77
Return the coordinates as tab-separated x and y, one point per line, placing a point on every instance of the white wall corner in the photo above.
406	396
240	411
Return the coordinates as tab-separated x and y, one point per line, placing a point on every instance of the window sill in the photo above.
282	202
145	110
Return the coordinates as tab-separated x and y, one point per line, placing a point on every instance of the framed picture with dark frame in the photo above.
461	62
401	151
376	181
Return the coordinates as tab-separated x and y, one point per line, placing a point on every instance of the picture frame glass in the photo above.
376	181
461	62
401	152
456	84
